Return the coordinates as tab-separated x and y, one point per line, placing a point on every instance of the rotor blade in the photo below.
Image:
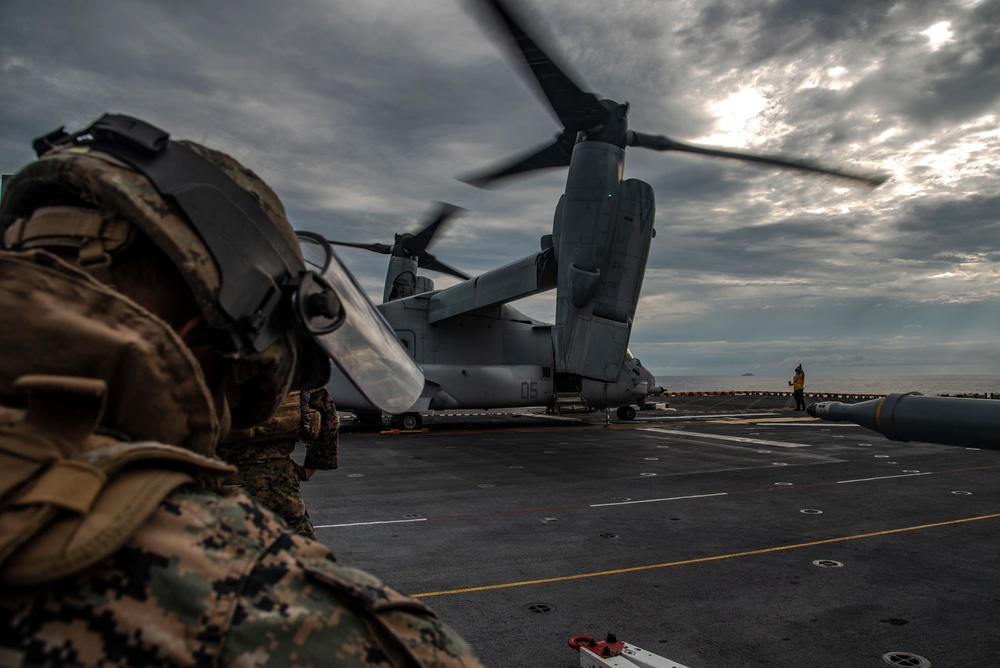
376	247
435	264
556	154
424	239
661	143
576	109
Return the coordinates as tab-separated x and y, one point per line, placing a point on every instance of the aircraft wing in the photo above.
523	278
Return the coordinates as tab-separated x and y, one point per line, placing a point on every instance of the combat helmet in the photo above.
222	227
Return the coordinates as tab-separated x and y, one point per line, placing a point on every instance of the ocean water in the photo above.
928	385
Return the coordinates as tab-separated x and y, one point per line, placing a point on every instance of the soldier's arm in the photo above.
313	611
323	451
229	584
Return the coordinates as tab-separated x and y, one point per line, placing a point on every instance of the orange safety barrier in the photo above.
816	395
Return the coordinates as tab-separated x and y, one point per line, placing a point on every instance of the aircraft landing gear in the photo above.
369	417
626	413
407	421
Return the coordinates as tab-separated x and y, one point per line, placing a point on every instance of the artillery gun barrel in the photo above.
913	417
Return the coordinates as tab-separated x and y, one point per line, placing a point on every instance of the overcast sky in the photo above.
361	113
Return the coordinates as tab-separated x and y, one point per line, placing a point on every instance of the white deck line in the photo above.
720	437
673	498
365	524
885	477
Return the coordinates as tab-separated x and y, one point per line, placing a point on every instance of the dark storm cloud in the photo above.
961	80
934	229
361	114
755	32
804	24
681	179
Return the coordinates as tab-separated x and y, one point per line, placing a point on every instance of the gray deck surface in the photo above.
731	532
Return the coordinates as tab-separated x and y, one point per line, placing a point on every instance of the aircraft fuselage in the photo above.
489	358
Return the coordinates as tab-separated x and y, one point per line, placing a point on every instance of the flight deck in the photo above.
725	531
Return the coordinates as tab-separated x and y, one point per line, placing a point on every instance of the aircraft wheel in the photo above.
409	421
626	413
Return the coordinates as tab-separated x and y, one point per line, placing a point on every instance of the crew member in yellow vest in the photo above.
262	454
798	384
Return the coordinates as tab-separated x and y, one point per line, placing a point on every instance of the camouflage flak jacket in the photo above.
151	567
217	580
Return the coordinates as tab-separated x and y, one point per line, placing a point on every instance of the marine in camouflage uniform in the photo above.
263	454
117	547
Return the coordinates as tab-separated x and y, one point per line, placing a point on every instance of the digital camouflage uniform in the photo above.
263	454
117	545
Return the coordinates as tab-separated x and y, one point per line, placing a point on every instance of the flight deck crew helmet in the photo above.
277	319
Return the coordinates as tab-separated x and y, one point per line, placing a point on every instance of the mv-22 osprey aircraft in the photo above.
476	350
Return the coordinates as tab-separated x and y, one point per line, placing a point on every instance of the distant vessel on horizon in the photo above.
748	374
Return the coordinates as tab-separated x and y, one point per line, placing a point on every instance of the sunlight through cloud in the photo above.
938	34
734	116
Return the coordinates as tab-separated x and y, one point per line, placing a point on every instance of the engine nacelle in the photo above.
602	236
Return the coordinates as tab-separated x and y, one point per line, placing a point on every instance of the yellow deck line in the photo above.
700	560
